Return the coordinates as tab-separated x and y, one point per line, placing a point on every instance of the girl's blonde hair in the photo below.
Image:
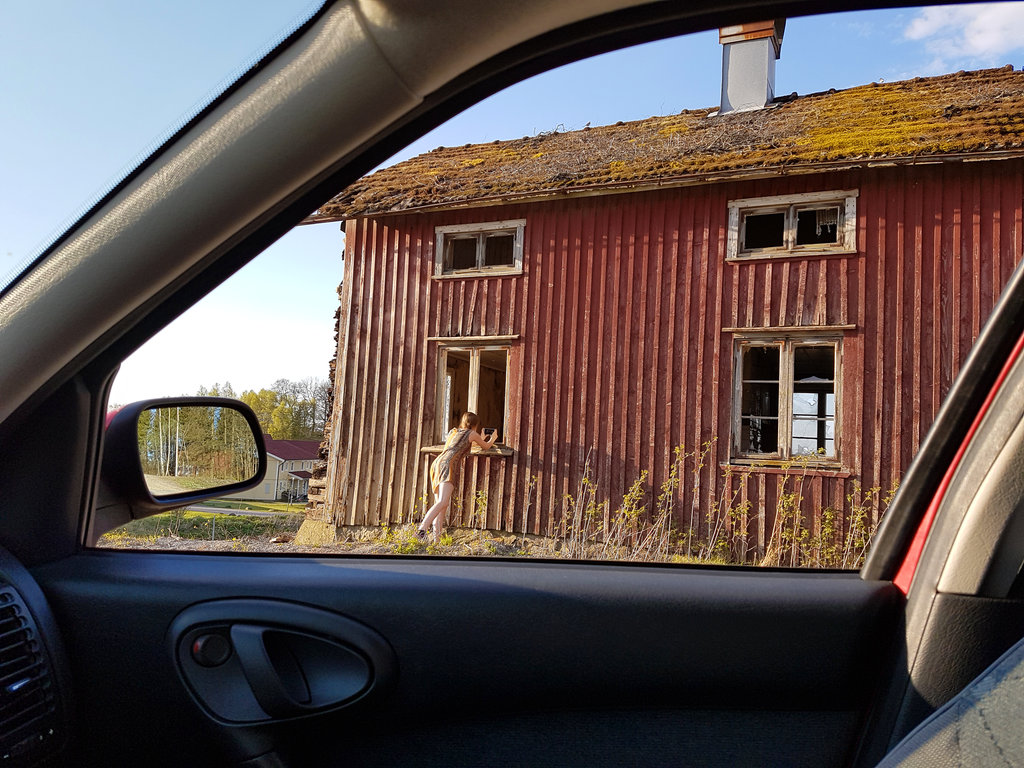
469	420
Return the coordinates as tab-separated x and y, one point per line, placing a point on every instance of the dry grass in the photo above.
639	528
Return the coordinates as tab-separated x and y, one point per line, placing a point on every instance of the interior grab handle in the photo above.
251	661
277	683
291	673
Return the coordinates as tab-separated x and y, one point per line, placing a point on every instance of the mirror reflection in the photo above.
195	448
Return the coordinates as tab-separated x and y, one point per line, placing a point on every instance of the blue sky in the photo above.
88	87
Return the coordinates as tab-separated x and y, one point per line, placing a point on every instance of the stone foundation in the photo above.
315	533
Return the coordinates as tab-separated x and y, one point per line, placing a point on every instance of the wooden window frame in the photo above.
442	235
474	349
786	343
791	205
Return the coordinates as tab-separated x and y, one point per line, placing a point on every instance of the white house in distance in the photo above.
289	467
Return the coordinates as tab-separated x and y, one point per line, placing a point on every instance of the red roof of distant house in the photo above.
301	474
292	450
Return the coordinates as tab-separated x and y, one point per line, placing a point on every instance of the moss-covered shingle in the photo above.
963	113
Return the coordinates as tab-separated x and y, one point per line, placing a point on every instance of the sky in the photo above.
89	88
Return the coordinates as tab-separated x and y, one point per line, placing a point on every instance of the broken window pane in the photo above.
764	230
759	413
814	363
475	379
446	398
782	225
814	400
491	395
499	250
759	435
461	253
491	248
458	397
817	225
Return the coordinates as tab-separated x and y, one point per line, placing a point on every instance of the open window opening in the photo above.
489	248
786	404
764	230
759	411
814	401
474	379
804	224
817	226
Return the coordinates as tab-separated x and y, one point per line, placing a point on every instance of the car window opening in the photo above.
622	318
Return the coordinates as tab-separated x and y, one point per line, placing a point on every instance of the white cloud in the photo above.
985	32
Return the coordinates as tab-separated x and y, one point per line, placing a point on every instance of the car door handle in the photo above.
257	660
292	673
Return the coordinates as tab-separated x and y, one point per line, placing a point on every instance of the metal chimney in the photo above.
749	52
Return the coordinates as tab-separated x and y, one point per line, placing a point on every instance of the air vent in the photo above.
28	704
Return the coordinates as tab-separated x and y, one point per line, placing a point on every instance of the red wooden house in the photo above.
786	292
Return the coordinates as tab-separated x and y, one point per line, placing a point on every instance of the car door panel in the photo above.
627	662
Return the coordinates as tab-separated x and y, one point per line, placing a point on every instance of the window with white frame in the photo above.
488	248
473	378
809	224
786	402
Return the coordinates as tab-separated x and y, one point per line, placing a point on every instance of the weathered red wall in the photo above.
621	354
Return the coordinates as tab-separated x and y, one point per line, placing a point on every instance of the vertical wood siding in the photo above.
621	354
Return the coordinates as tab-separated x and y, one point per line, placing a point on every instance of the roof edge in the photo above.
620	188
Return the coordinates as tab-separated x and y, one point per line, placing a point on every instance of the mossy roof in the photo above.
927	118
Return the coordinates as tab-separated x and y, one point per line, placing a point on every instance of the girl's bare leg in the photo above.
447	489
435	515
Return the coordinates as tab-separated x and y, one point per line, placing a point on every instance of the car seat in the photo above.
983	725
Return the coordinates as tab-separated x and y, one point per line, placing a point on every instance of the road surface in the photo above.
245	512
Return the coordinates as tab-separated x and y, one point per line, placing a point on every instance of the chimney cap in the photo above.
754	30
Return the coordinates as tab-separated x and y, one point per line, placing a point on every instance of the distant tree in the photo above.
213	443
322	392
290	410
263	404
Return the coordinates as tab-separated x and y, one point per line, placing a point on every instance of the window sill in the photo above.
776	467
475	274
497	450
787	255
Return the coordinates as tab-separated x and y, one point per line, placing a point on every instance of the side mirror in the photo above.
163	454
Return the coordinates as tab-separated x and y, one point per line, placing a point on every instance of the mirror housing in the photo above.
128	493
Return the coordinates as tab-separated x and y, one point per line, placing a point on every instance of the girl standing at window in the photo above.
444	470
